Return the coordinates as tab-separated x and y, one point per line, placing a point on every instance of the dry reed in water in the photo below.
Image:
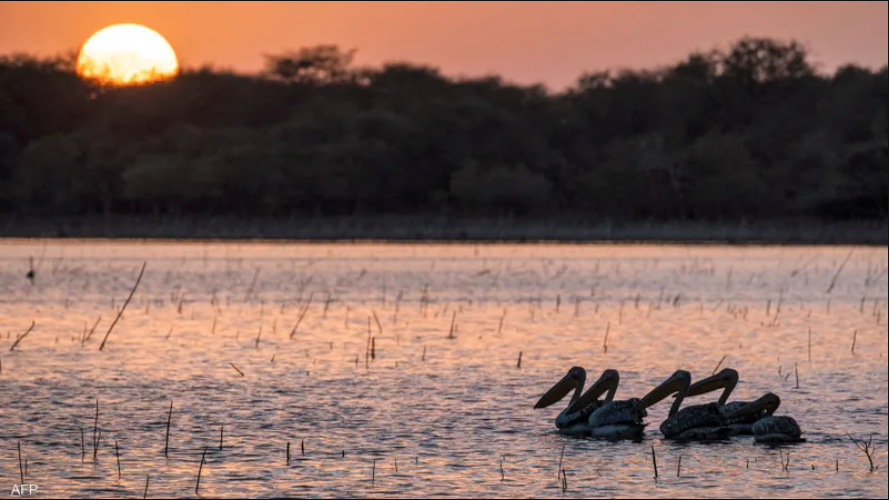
124	308
96	433
718	366
21	468
654	461
785	461
117	453
302	315
833	282
607	334
167	438
89	335
866	447
377	321
22	336
236	369
147	480
200	470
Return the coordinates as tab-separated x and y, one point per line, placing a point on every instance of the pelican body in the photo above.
728	380
694	423
574	420
770	429
613	419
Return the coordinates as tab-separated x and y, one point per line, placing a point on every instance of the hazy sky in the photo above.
549	42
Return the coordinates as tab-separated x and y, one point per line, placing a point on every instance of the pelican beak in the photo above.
662	392
708	385
603	385
557	393
770	403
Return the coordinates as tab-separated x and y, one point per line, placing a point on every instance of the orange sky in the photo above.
549	42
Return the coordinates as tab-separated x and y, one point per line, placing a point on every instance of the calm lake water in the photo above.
447	420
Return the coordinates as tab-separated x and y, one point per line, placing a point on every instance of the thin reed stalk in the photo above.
21	467
89	335
654	461
836	277
200	470
718	366
124	308
22	336
167	438
96	433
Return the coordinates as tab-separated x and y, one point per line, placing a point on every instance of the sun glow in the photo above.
126	54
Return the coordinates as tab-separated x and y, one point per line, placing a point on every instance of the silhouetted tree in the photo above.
752	132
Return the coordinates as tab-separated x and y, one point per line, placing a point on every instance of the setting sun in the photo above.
127	54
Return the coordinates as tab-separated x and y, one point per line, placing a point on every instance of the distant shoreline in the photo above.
433	229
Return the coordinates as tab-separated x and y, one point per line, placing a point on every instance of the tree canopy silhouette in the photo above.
750	133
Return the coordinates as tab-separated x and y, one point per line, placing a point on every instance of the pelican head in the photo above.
727	380
768	403
677	384
574	380
608	382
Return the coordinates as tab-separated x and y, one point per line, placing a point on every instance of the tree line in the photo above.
753	132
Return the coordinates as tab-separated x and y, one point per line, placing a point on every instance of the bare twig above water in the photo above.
200	470
866	447
654	461
124	308
22	336
89	335
167	439
718	366
836	277
21	468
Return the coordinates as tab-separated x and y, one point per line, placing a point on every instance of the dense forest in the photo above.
754	133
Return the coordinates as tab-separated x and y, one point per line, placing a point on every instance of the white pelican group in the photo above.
589	416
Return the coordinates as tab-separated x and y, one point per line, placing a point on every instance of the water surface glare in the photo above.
428	415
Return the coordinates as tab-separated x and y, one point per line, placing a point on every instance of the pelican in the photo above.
695	423
574	420
613	419
728	380
770	429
